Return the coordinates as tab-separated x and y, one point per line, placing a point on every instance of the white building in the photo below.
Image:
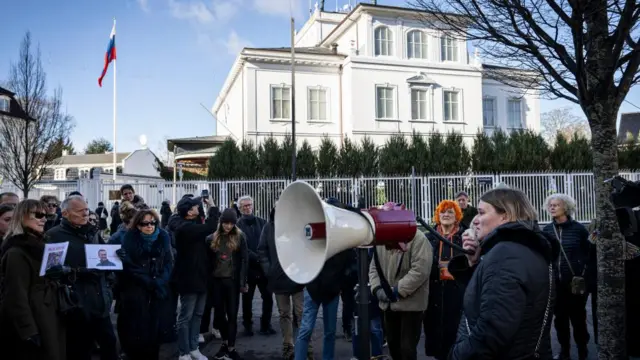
374	71
140	163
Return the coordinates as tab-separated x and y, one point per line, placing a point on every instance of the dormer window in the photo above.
449	49
416	45
5	104
383	41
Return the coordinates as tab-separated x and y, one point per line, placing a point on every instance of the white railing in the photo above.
420	193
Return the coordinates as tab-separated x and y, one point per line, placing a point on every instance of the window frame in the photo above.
389	41
7	100
520	111
454	49
271	101
411	46
494	111
428	113
458	92
394	92
327	109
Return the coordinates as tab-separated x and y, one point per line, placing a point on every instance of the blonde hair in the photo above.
24	208
511	202
234	238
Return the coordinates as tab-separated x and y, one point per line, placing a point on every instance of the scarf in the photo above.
149	239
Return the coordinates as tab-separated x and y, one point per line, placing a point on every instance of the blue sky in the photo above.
172	56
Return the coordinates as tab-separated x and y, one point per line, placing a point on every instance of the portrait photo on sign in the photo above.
102	257
54	254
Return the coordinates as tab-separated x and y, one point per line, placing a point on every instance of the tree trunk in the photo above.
611	284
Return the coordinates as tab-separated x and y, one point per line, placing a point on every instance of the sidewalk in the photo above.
261	347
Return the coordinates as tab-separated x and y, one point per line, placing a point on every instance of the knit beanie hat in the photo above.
229	216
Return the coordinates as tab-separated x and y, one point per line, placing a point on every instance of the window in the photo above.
418	104
280	102
318	104
451	104
383	41
416	45
4	104
515	113
385	102
488	112
449	49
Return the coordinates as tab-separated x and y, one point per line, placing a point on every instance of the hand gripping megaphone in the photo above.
309	231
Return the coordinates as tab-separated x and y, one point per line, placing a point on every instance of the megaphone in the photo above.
309	231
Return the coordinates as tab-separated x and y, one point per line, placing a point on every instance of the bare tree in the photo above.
26	145
564	122
587	52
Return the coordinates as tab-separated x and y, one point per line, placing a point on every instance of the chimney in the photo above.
65	152
334	48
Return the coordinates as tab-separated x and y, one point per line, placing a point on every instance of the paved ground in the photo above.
261	347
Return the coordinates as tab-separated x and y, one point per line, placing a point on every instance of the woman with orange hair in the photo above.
445	295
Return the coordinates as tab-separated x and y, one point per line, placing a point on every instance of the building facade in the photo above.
142	162
372	71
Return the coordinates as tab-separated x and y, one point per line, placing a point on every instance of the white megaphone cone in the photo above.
309	231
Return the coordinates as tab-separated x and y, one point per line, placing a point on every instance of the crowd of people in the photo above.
185	267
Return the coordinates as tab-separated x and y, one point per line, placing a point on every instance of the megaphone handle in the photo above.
363	325
442	238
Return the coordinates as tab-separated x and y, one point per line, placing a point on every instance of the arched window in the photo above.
383	41
416	45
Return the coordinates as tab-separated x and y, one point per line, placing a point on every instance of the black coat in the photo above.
575	242
92	286
328	284
165	214
277	281
240	259
506	296
445	303
193	259
252	227
29	304
145	317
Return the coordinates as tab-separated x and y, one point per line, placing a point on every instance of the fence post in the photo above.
423	189
223	196
568	184
427	205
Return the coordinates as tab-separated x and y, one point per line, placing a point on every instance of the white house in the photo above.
141	163
373	71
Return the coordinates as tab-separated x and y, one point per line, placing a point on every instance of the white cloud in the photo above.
278	7
204	12
144	5
235	43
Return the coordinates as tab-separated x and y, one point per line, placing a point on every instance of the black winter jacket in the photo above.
277	281
193	260
575	242
252	227
328	284
240	260
91	286
506	296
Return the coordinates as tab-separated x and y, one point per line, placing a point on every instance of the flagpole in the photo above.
115	160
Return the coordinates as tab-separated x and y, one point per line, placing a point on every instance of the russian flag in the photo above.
110	55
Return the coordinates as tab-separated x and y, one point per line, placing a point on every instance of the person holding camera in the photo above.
575	249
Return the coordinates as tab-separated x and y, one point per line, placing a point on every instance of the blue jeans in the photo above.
189	318
329	320
377	338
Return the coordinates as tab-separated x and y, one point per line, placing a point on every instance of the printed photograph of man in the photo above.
54	259
102	255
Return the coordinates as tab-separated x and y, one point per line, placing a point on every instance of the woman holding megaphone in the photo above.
510	291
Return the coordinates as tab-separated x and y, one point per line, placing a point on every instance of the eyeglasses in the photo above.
39	215
148	223
52	205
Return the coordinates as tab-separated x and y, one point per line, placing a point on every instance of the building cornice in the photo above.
272	57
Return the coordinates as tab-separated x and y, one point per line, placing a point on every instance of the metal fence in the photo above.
421	194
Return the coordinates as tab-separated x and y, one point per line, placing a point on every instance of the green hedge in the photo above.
436	154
